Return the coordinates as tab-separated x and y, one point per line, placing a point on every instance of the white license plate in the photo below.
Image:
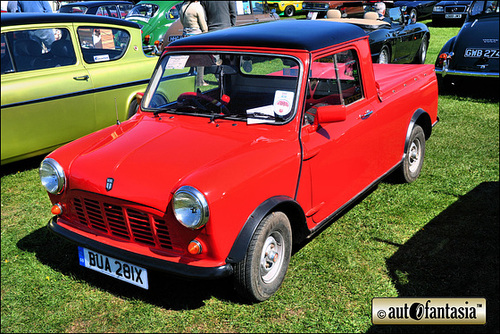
478	53
119	269
453	16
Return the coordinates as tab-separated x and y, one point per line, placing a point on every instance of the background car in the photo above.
248	12
322	7
450	12
401	41
64	76
287	8
154	18
474	52
417	10
118	9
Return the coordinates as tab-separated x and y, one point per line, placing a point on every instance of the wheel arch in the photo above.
284	204
420	117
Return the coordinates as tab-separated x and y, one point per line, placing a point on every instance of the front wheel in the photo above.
414	157
422	51
260	274
289	11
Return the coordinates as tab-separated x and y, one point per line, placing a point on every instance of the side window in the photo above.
333	80
7	66
124	9
39	49
109	11
102	44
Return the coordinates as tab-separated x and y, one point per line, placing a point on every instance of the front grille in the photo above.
122	222
314	6
455	9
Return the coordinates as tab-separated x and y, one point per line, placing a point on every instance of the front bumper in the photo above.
178	269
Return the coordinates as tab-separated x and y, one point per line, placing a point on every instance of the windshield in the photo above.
484	7
143	10
248	87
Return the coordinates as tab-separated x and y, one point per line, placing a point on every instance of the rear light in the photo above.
146	39
443	57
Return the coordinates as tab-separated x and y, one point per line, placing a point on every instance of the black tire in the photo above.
260	274
414	156
289	11
385	55
422	51
132	109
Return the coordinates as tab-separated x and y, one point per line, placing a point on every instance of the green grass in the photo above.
435	237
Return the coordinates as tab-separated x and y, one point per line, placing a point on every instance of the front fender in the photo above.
283	203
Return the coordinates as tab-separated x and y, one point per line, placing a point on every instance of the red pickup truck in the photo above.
248	141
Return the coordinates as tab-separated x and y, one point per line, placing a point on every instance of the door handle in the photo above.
366	115
80	78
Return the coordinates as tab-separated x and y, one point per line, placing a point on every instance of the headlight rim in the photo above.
203	204
59	171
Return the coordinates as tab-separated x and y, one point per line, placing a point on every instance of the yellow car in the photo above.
65	76
288	8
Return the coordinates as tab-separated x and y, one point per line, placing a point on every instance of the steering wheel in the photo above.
210	100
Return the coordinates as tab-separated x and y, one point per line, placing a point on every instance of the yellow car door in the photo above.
47	94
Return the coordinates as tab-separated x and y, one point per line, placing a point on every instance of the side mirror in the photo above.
330	113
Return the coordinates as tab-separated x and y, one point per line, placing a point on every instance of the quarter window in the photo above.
102	44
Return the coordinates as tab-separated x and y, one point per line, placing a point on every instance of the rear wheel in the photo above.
422	51
384	56
260	274
289	11
414	157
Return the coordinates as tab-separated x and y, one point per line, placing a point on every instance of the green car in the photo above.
154	18
65	76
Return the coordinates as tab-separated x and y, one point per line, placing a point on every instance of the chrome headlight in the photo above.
190	207
52	176
438	9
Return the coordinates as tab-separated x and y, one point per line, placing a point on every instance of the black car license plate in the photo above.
118	269
478	53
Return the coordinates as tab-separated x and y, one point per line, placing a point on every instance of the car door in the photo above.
339	158
114	72
47	95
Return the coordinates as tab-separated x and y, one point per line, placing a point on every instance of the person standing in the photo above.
193	19
29	6
220	14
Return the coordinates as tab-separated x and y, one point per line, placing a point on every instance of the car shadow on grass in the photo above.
21	166
483	89
165	291
454	255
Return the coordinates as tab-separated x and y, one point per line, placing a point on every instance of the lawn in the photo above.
435	237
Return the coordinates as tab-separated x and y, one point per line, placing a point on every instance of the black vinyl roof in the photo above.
11	19
286	34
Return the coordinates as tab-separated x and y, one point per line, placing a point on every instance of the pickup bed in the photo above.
248	141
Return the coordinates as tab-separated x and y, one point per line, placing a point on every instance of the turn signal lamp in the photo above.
146	39
56	209
195	247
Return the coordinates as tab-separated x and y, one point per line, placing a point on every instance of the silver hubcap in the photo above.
384	57
414	155
271	258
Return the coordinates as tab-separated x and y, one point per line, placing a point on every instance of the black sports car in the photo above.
118	9
474	51
395	39
416	9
